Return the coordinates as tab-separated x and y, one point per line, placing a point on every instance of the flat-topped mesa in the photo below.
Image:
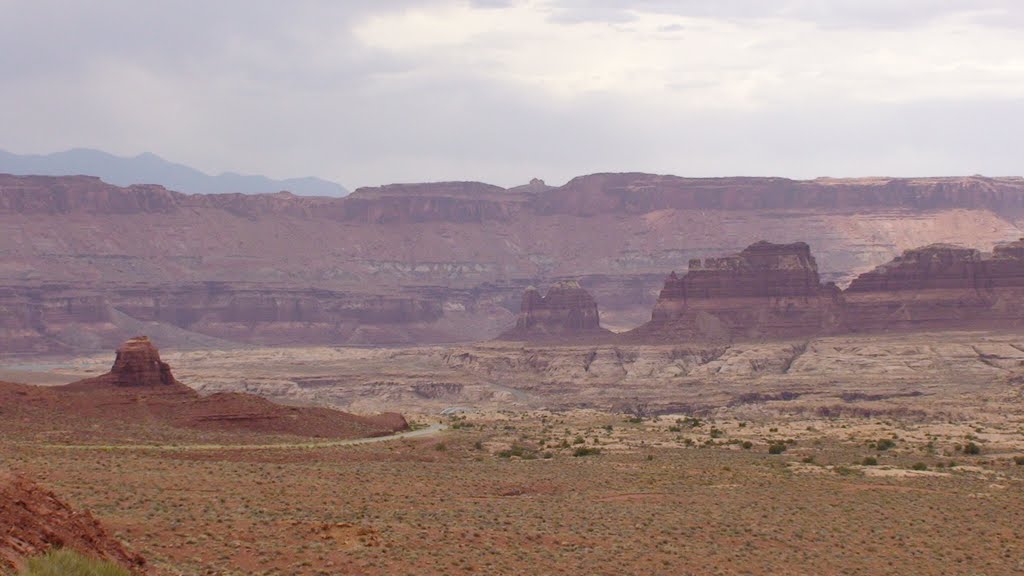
567	310
939	287
138	364
766	290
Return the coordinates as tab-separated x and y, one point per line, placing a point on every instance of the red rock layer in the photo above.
33	520
566	311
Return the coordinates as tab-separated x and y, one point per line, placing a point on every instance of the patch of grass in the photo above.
584	451
65	562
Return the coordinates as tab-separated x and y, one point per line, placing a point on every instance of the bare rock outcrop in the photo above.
566	311
33	520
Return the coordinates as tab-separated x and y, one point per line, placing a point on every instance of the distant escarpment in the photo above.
140	389
774	291
84	264
567	311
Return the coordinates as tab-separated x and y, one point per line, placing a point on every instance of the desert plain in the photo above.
896	453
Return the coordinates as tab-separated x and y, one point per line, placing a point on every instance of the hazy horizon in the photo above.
365	94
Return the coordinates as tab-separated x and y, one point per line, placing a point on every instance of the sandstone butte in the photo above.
140	388
33	520
86	264
774	291
566	312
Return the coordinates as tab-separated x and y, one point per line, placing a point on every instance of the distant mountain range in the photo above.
151	169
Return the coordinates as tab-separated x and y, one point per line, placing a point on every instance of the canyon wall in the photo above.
83	264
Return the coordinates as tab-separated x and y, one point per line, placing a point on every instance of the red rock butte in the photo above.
140	388
774	291
567	311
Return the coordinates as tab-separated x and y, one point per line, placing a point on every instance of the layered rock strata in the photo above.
767	290
774	291
567	311
84	264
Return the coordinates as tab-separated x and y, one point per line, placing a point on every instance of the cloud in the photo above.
369	92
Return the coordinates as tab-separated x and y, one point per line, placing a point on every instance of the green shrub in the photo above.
869	461
747	445
884	444
65	562
584	451
1019	460
777	448
919	466
972	449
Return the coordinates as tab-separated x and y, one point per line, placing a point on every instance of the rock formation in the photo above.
940	287
426	263
141	388
770	290
566	311
33	520
766	290
138	363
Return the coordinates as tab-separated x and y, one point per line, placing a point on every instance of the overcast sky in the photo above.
371	92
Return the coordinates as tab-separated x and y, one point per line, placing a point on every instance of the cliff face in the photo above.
771	290
567	311
940	287
84	264
766	290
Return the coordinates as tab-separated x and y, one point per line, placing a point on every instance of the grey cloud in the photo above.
828	13
284	89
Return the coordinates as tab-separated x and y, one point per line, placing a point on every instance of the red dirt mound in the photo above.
33	520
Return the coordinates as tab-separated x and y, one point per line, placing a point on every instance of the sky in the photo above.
372	92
